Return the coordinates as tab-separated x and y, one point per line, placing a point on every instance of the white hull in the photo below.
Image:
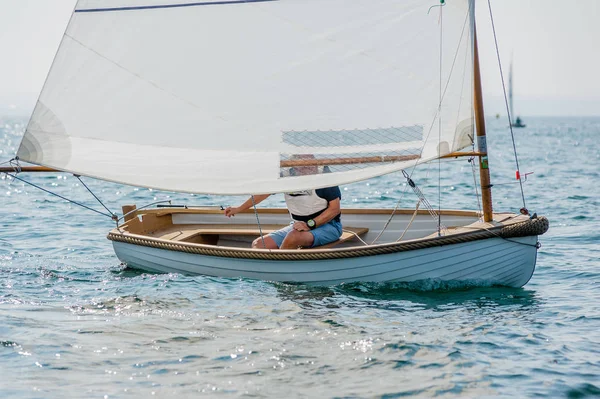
491	261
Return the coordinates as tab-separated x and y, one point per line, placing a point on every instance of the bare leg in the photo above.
269	243
296	239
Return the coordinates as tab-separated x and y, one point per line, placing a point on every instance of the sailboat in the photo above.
517	122
221	96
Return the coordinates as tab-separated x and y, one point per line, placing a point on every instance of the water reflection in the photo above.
403	297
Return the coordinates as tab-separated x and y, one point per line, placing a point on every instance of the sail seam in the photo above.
147	81
204	3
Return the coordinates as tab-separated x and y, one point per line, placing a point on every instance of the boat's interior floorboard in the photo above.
237	235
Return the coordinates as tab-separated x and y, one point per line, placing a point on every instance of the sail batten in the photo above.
220	95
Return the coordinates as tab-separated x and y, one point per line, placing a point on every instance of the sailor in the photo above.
315	215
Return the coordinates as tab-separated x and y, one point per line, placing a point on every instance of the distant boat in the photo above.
516	122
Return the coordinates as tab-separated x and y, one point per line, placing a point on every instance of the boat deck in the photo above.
211	233
500	219
362	227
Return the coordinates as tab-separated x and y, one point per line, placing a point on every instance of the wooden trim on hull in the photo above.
530	227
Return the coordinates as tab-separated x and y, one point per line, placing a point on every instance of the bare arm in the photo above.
332	210
231	211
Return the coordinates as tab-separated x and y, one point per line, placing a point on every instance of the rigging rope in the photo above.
262	237
356	235
442	4
410	221
507	108
473	170
439	215
442	95
14	163
391	216
423	200
114	215
17	168
449	74
60	196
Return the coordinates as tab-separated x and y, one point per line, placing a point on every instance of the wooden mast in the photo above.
484	171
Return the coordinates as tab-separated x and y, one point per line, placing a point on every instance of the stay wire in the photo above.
98	199
506	103
410	221
473	170
385	226
439	227
431	125
262	237
59	196
456	52
442	95
438	111
423	200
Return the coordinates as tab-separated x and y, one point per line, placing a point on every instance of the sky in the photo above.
554	46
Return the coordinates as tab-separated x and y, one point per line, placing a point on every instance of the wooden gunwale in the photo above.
517	227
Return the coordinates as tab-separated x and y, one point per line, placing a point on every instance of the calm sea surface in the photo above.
74	323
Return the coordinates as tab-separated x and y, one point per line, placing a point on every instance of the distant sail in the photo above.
515	122
202	96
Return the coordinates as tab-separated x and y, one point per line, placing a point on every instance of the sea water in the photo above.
75	323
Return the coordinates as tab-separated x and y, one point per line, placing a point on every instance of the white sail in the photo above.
215	96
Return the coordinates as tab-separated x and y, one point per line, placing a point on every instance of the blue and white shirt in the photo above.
308	204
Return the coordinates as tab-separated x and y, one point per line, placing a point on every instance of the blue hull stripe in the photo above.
216	3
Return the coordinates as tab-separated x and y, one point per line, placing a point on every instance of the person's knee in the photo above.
264	243
295	239
293	236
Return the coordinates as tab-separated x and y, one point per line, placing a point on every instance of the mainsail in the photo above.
221	97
